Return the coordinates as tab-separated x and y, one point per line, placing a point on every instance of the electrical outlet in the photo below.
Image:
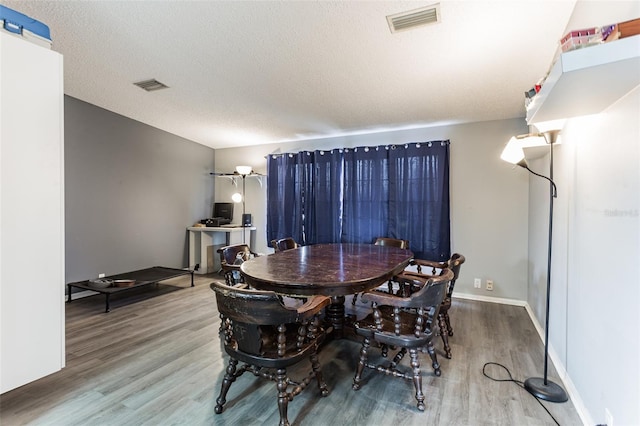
100	275
490	285
477	283
608	417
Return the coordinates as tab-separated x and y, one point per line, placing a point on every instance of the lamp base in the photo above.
551	392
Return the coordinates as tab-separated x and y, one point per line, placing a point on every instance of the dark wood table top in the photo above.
326	269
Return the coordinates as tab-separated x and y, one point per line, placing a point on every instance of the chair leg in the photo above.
229	378
315	365
444	334
361	363
446	318
283	398
384	350
434	359
398	358
417	377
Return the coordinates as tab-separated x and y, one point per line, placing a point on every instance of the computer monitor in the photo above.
224	210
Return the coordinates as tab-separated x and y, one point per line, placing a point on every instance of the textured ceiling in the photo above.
244	73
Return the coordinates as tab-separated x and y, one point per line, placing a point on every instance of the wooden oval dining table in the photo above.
332	270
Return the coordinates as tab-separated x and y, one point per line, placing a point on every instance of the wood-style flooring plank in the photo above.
156	359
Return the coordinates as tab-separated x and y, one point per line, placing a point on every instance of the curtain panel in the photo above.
366	194
354	195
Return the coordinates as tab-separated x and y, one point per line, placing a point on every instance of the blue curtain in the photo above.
304	196
366	195
324	212
358	194
284	207
419	198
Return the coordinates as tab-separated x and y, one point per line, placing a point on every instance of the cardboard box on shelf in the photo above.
621	30
629	28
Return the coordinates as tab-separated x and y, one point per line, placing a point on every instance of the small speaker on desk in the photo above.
246	219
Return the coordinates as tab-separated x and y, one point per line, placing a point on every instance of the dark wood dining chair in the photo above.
391	242
284	244
267	337
405	323
426	269
231	257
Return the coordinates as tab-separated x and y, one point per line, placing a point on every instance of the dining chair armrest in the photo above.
412	275
228	268
408	284
382	298
423	263
312	306
411	281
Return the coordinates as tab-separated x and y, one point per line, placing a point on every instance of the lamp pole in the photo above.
243	171
543	388
244	231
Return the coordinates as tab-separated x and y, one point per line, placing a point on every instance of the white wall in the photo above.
488	196
594	316
602	317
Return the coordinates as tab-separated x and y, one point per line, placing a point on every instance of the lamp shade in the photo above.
237	197
529	140
512	152
244	170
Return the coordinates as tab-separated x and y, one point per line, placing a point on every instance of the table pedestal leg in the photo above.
335	316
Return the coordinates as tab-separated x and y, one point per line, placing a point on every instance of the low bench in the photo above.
142	277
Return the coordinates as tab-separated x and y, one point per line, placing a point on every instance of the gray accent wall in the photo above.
131	190
489	198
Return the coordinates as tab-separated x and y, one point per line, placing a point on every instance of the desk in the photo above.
326	269
204	241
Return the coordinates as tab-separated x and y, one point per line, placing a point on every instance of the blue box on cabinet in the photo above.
24	26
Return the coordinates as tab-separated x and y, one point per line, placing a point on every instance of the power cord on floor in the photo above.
517	382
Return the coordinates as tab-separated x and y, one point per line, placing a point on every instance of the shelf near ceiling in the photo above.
587	81
233	177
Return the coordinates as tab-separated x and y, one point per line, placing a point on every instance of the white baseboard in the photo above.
491	299
574	396
553	355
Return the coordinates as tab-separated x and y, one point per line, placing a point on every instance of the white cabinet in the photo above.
31	212
587	81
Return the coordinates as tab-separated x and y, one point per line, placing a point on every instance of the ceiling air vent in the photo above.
414	18
151	85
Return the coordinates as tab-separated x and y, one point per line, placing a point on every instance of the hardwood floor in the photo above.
156	359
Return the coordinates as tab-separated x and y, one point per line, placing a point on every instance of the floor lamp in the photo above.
242	171
540	387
